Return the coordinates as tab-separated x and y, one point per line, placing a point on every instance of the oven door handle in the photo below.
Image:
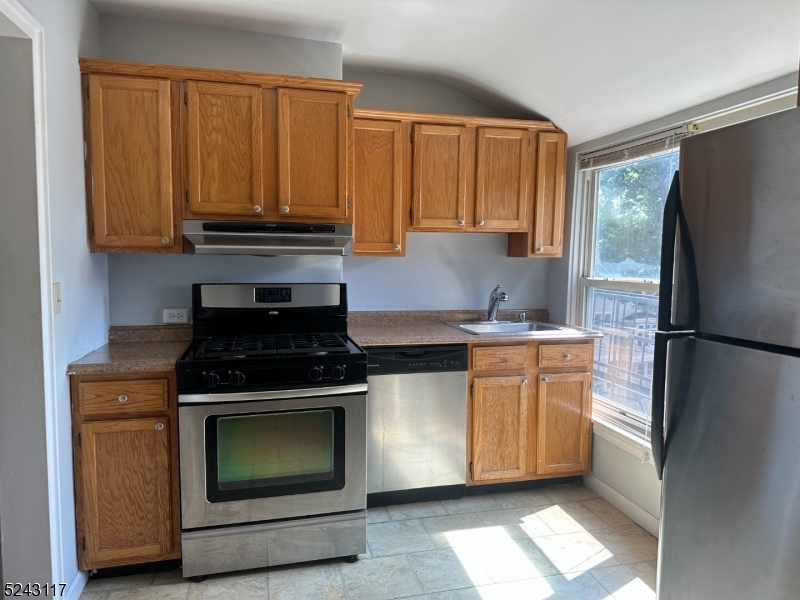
337	390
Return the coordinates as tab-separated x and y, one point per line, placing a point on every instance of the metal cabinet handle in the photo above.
122	398
165	240
461	223
397	246
480	223
257	208
524	382
540	249
284	209
159	426
545	379
567	356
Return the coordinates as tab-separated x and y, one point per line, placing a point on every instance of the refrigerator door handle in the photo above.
668	233
675	223
658	435
658	394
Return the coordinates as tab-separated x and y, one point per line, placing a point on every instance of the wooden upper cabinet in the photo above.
440	177
565	413
502	179
499	427
129	156
312	154
551	175
225	148
378	190
126	486
545	236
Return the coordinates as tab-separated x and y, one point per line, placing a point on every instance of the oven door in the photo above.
262	456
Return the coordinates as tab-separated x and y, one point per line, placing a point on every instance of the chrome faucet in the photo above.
495	298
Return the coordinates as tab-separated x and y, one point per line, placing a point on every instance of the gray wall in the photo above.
395	92
161	42
440	270
23	468
70	31
141	285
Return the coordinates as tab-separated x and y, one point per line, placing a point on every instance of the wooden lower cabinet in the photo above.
565	409
529	413
499	426
126	470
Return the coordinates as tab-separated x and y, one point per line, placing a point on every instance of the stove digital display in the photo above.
266	295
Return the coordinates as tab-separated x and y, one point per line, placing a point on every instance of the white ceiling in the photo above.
592	67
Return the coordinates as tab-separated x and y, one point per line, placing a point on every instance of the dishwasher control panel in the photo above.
416	359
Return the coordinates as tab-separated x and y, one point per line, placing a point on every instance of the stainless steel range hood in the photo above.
267	239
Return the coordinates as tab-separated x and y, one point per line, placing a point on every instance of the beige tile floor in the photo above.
556	543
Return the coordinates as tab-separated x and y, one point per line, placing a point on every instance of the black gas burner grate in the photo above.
236	346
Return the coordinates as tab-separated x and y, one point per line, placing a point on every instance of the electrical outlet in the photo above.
176	315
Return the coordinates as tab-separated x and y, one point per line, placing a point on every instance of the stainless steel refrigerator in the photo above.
726	384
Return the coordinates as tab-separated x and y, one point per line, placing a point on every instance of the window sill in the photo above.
621	438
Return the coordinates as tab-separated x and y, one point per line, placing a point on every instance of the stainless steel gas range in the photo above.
272	421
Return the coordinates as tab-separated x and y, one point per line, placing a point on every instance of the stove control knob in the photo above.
338	373
211	380
315	374
237	378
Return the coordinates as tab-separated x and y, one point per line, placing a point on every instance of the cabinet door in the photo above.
131	163
499	427
551	175
378	227
565	412
502	179
125	466
440	177
225	149
312	154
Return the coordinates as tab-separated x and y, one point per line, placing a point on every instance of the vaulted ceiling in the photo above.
593	67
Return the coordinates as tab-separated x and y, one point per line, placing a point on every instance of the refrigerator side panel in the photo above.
730	524
740	189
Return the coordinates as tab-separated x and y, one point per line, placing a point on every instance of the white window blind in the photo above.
644	147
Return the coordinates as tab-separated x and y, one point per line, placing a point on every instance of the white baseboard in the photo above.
76	586
638	515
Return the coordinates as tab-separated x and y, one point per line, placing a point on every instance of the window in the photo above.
619	284
616	268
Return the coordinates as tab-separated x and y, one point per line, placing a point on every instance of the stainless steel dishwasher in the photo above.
416	418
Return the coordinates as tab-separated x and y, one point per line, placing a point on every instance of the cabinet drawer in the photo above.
134	395
499	358
565	355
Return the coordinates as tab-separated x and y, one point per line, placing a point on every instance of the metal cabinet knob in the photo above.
544	379
567	356
540	249
159	426
257	208
122	398
397	246
461	223
524	382
480	223
165	240
284	209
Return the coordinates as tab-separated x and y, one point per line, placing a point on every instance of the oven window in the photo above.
274	454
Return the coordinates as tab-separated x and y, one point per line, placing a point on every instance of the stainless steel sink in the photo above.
478	327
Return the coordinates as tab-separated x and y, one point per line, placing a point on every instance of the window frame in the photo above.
604	411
